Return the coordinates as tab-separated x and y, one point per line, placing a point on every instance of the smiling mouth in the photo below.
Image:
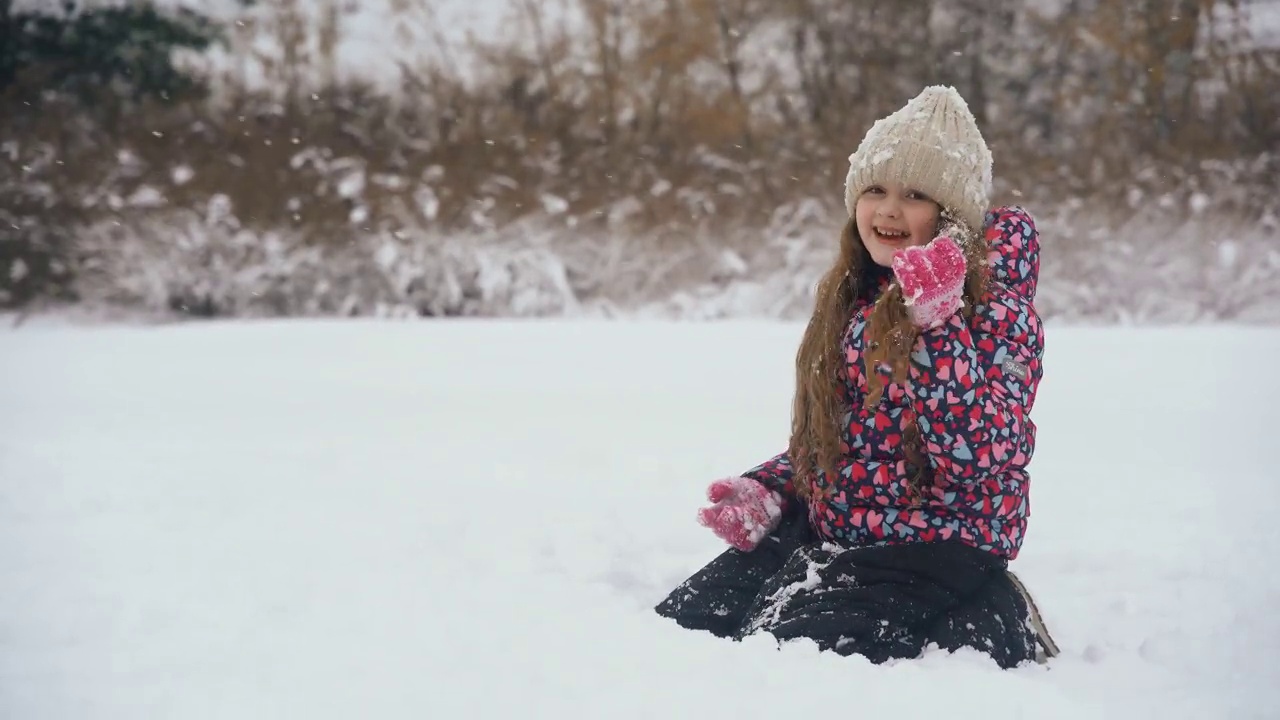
891	237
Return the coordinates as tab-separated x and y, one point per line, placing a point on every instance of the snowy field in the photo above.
357	519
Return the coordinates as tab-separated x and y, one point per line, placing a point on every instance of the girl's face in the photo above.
891	217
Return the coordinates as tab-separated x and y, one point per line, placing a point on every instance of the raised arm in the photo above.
973	381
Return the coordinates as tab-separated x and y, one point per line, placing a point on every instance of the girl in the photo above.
887	524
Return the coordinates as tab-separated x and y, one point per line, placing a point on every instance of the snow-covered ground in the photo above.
473	519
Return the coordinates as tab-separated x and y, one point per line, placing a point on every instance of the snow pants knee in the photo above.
881	602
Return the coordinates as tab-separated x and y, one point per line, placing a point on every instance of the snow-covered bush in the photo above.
1158	270
1148	268
1153	267
212	267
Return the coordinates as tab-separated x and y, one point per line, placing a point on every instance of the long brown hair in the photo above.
819	406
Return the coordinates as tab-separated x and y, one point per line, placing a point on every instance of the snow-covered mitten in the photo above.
744	512
932	279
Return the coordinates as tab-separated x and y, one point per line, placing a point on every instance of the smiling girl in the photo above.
888	523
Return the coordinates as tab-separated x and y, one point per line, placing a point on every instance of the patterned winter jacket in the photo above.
971	388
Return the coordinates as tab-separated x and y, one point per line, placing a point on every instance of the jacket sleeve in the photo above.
973	380
775	474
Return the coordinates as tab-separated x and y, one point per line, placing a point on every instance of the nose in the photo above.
888	206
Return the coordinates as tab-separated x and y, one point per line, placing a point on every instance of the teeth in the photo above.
891	233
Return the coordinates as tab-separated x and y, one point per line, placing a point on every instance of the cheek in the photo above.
863	214
924	224
863	209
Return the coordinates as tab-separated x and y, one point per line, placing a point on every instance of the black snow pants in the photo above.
881	602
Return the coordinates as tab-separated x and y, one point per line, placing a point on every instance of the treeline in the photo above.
667	122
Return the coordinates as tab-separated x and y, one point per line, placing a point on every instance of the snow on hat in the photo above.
932	144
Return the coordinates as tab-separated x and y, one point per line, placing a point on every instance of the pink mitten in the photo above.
932	280
744	511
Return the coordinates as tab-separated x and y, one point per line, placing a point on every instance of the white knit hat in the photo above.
932	145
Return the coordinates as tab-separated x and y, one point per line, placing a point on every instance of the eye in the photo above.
873	190
917	195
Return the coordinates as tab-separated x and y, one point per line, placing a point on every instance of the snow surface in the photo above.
337	519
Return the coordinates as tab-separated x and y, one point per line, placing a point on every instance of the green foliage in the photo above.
83	51
54	68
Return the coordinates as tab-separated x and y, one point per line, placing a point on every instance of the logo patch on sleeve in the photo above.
1016	369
